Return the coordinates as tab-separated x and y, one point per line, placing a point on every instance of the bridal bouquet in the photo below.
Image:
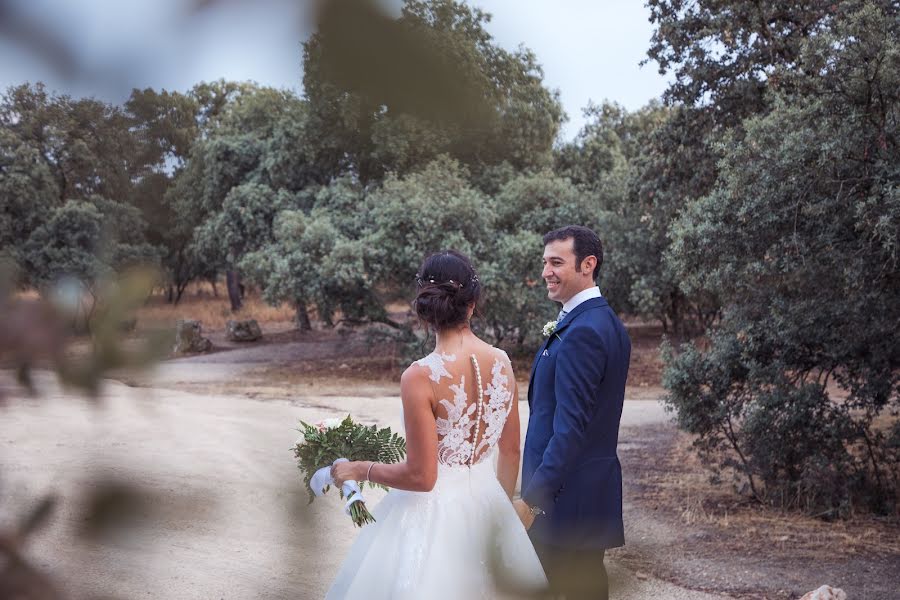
335	440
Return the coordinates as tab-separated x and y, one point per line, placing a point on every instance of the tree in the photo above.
28	194
527	207
249	136
799	239
611	138
86	242
67	163
727	58
85	143
430	210
166	125
609	161
288	267
390	95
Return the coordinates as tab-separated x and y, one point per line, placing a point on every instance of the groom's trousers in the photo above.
574	574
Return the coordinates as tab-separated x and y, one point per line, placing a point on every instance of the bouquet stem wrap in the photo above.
355	506
333	441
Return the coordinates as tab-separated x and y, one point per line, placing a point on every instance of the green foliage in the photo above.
677	164
368	181
56	152
28	194
614	162
527	206
421	213
244	221
798	238
726	56
391	95
67	245
321	446
515	300
87	241
165	124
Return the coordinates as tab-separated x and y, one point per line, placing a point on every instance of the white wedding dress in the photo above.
449	543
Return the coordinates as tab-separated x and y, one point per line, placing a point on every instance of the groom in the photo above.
571	478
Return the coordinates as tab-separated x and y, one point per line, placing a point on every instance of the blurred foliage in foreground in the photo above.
757	206
35	334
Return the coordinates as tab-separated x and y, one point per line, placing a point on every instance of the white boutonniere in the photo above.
549	328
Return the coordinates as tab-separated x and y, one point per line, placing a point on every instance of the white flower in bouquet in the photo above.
331	423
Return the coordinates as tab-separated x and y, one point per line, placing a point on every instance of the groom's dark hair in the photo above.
584	241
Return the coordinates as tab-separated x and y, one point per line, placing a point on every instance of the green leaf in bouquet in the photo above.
349	440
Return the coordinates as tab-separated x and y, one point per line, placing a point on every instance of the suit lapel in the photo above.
587	304
537	357
592	303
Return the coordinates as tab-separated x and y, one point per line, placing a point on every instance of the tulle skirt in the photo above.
462	540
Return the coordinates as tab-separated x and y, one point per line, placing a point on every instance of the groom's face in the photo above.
563	277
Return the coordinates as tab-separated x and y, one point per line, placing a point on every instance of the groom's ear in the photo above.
588	265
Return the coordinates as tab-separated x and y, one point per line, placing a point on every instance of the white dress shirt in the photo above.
591	292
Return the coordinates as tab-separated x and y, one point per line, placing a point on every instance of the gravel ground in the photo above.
226	516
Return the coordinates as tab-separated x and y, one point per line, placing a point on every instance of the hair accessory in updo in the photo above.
443	300
421	281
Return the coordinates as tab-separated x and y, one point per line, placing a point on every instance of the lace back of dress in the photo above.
469	421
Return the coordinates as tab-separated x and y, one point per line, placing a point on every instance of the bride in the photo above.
447	529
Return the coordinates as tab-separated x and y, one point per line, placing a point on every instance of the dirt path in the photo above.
684	529
230	517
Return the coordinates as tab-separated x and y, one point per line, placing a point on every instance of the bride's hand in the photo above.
347	471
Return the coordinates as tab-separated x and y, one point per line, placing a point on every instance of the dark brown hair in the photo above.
447	287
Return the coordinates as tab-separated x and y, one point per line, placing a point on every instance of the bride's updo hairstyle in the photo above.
447	286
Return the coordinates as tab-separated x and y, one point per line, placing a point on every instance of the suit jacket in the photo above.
570	467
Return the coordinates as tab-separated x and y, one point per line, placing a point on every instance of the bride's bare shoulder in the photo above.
499	354
423	370
415	371
415	385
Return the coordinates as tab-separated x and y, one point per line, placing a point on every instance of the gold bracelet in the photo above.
370	470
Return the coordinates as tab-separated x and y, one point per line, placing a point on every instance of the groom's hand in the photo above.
524	512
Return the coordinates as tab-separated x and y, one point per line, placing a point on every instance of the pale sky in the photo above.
589	49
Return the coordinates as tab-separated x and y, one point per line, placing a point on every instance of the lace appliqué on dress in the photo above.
497	408
454	446
435	362
469	423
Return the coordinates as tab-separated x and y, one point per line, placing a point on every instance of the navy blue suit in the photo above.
570	467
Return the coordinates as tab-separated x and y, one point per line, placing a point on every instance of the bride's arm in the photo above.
418	473
510	449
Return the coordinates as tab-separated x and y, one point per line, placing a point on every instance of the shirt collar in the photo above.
591	292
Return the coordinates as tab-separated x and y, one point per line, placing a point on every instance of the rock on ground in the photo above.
188	338
826	592
243	331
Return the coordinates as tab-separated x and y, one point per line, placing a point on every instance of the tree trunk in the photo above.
303	323
170	293
180	290
233	282
677	326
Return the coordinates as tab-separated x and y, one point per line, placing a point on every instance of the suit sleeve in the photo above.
580	367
